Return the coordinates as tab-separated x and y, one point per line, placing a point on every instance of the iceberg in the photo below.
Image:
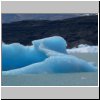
46	55
83	48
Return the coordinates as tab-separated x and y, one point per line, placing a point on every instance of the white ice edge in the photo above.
83	48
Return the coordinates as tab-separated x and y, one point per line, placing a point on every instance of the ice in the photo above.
16	55
55	64
46	55
83	48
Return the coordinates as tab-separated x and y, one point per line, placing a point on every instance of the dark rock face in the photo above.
79	30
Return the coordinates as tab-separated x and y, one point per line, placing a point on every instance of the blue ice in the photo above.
46	55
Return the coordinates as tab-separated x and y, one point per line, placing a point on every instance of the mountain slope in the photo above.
7	18
79	30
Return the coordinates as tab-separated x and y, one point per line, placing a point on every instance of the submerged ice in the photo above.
46	55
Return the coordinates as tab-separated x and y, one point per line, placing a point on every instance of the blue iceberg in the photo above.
46	55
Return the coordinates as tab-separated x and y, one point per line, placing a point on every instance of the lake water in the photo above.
66	79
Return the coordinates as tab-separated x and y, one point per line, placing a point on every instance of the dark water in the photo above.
66	79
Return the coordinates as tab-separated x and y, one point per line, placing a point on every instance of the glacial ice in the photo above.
83	48
46	55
